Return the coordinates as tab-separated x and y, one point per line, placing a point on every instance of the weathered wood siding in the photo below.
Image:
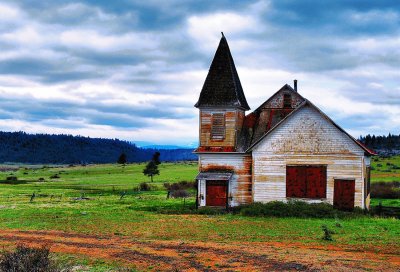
233	123
240	164
306	138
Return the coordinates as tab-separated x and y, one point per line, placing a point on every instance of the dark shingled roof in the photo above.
222	86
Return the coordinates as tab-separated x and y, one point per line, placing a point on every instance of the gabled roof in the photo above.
307	102
265	117
285	87
222	86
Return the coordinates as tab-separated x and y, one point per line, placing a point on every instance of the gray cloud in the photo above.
144	48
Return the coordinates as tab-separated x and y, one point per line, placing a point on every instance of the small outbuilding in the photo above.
285	149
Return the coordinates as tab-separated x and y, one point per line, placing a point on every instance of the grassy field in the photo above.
385	169
57	210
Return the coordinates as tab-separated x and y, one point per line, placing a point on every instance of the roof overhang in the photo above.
214	176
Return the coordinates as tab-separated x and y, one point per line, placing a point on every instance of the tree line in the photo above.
21	147
382	144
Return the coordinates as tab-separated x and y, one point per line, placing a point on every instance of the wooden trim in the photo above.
227	195
197	194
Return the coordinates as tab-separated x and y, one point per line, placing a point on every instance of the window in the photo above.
287	101
306	181
218	126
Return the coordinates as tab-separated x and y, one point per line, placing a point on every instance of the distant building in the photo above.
285	149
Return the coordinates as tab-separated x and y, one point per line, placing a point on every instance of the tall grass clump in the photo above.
28	259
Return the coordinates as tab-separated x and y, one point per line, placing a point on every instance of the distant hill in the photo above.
143	144
20	147
163	147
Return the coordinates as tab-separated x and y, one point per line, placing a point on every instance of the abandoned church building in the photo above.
285	149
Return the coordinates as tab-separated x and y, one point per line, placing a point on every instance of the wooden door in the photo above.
216	193
343	197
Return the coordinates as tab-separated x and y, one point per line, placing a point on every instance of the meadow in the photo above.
95	217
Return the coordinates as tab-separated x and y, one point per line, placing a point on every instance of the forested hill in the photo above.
383	145
21	147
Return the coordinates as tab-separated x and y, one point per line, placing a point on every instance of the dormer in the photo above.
222	104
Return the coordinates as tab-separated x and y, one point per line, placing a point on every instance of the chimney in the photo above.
295	85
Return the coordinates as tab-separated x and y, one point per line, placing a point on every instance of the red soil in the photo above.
210	256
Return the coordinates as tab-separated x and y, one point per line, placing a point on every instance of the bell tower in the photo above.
222	104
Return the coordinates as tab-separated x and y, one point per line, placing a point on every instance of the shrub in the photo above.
379	165
180	194
144	186
385	189
41	179
289	209
27	259
55	176
12	178
182	185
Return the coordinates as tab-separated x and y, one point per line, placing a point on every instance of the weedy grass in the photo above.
87	199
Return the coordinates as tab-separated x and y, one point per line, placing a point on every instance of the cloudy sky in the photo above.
134	69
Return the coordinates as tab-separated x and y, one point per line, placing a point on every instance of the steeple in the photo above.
222	86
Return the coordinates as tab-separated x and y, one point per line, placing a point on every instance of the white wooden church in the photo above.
285	149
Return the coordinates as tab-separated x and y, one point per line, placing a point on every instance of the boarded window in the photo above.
306	181
218	126
287	101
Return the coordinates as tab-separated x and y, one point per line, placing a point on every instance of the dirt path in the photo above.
198	256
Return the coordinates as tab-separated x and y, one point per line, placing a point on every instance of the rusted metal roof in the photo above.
214	176
222	86
265	117
218	149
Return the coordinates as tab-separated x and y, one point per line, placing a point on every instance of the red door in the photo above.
343	197
216	193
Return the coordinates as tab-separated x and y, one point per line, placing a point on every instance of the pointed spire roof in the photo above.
222	86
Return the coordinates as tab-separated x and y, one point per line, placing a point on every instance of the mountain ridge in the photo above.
21	147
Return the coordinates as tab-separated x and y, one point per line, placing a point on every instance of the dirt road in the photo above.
199	256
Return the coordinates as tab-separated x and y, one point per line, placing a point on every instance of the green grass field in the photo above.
137	214
385	169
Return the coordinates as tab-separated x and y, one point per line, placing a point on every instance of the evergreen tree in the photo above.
151	170
122	158
156	158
